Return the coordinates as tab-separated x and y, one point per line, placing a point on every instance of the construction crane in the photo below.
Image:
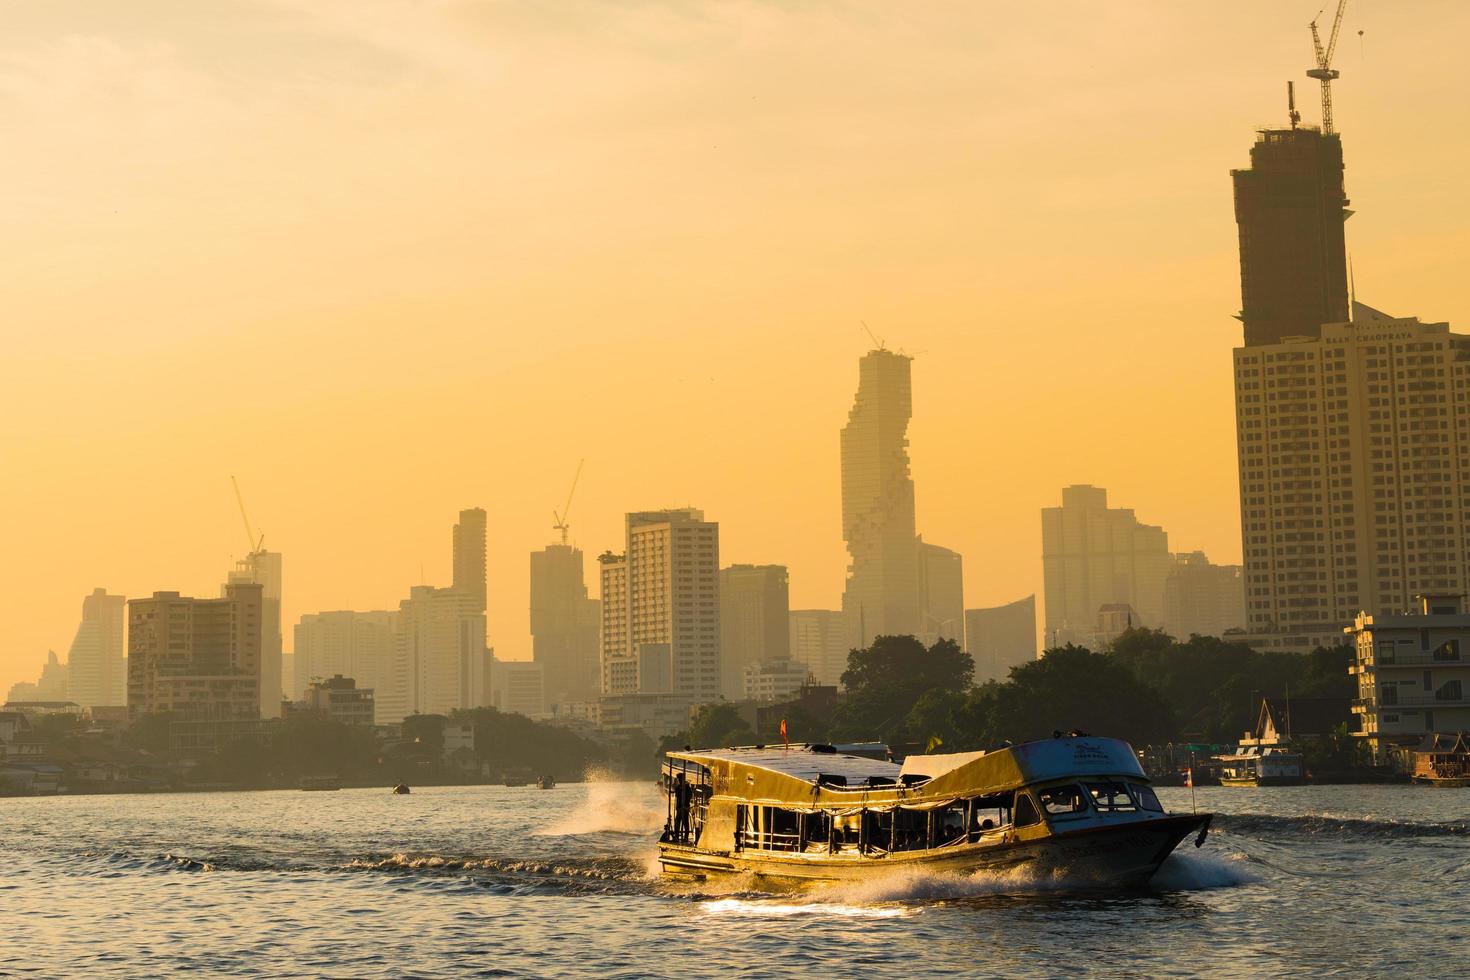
1324	72
255	544
872	336
1291	110
566	508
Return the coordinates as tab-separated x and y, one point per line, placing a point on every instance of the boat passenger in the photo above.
682	796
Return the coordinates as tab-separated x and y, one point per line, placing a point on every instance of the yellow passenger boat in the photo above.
1074	808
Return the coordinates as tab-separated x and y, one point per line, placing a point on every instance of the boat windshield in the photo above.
1111	797
1146	797
1063	801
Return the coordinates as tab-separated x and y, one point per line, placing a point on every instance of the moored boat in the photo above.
1443	760
1073	807
546	782
1261	765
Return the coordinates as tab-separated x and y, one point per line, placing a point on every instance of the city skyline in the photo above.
96	510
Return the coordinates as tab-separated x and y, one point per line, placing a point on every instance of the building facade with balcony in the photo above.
1413	674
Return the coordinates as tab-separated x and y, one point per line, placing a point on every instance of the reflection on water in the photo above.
449	881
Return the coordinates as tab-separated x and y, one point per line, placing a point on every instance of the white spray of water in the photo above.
611	807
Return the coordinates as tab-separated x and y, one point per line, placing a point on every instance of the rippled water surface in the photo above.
492	881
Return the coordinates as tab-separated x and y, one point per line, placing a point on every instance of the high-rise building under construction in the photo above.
1290	207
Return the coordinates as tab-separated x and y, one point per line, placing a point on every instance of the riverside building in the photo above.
1413	672
819	640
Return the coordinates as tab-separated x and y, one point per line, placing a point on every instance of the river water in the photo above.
493	881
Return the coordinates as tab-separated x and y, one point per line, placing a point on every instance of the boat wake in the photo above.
610	807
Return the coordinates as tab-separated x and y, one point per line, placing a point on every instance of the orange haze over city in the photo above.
385	261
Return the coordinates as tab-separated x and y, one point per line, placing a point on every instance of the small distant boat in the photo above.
1443	760
401	789
319	783
1261	765
546	782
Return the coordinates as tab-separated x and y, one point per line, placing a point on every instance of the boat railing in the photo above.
764	840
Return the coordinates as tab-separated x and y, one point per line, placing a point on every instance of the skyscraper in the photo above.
1290	208
1202	597
1001	637
196	658
469	556
941	594
263	568
1094	556
882	592
1354	451
819	640
95	663
661	599
564	625
755	610
440	660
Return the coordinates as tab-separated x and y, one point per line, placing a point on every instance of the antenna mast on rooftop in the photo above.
1324	72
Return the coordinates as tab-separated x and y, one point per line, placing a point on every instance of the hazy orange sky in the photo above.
385	260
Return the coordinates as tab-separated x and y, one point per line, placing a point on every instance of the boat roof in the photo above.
794	775
799	761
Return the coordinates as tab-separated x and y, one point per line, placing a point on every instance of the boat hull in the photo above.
1126	855
1444	782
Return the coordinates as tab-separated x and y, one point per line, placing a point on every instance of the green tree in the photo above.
886	680
1071	688
719	725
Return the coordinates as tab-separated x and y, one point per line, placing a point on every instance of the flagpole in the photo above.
1193	804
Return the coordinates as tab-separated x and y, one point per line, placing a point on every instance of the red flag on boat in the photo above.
783	733
1189	778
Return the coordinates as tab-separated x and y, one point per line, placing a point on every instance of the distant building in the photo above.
819	640
1413	674
1001	637
359	645
656	715
196	658
518	687
95	662
941	594
440	661
564	625
1202	598
772	680
337	699
755	627
290	687
881	596
1113	620
1354	454
54	684
664	590
1094	556
263	568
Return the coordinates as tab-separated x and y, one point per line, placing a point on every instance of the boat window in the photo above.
1146	797
989	815
1061	801
1111	798
910	830
1026	814
949	823
816	832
